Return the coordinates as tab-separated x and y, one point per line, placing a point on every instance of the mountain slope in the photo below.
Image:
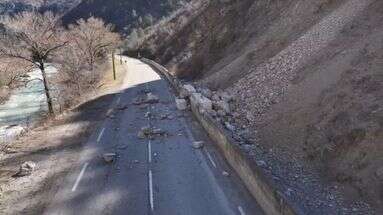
307	80
125	15
15	6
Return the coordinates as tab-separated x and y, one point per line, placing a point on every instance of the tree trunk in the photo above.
46	89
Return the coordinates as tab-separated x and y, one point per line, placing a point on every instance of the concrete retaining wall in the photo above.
268	197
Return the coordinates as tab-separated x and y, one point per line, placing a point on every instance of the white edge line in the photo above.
150	151
211	159
79	177
100	135
241	211
151	190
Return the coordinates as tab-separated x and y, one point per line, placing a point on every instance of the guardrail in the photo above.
272	201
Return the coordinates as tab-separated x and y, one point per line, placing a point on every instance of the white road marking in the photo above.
118	100
150	151
151	196
100	135
79	177
211	159
241	211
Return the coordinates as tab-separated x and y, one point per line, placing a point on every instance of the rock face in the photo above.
26	168
181	104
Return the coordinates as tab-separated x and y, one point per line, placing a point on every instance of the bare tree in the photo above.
94	39
33	38
11	70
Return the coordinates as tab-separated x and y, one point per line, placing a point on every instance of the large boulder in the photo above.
205	104
225	96
181	104
207	93
223	105
187	90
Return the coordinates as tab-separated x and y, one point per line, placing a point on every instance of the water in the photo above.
25	106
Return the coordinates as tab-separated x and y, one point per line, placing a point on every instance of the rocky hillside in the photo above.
15	6
125	15
307	78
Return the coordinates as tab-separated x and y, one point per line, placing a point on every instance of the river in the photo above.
25	106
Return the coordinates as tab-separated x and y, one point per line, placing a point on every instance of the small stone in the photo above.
147	114
158	131
229	126
198	144
151	98
141	135
109	157
224	173
261	163
163	116
136	161
289	191
26	168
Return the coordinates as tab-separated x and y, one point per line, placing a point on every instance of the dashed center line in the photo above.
100	134
79	177
211	159
241	211
150	151
118	100
151	196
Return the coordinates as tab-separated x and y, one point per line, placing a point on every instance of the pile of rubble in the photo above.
218	104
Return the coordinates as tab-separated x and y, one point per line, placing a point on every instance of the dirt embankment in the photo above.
307	76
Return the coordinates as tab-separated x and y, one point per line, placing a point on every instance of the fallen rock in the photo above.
223	105
201	101
109	157
151	98
224	173
229	126
158	131
261	163
187	90
147	114
197	144
26	168
207	93
163	116
225	96
215	97
181	104
144	132
141	135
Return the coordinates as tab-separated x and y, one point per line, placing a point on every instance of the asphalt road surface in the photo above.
162	175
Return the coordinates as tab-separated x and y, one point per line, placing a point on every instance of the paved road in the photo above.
164	175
